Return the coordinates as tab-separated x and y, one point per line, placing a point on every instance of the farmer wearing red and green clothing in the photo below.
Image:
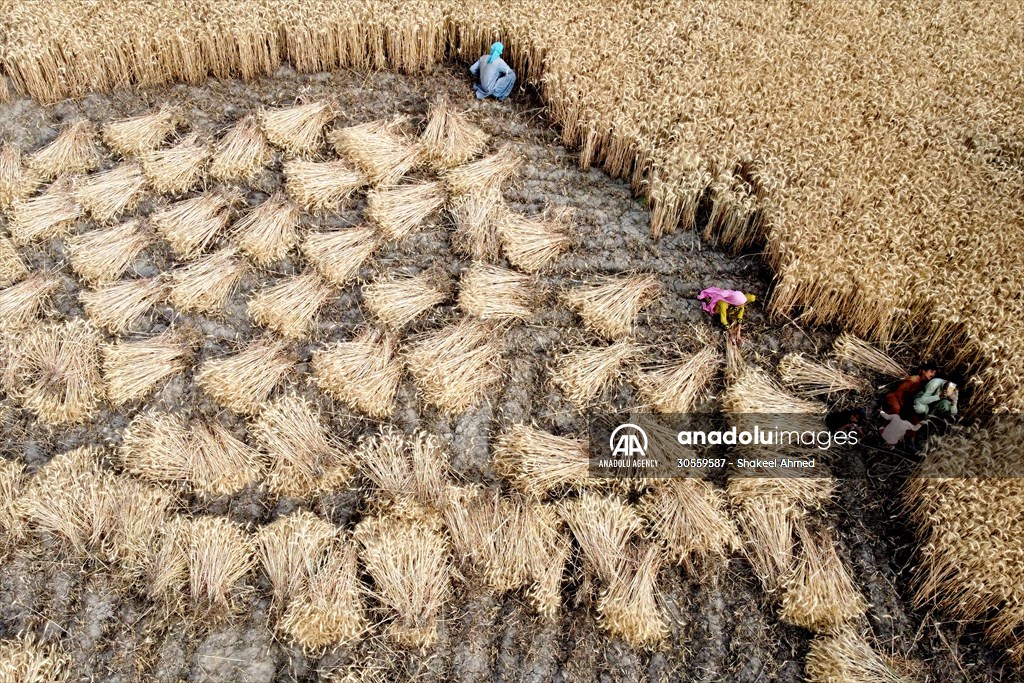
728	305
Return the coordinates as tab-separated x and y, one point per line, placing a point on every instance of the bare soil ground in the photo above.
723	627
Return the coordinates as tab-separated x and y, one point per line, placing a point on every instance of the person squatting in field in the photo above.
728	305
492	75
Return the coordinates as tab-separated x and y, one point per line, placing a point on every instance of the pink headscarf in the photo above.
733	297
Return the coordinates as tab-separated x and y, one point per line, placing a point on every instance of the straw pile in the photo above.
536	462
477	215
488	173
629	609
243	382
495	293
267	233
458	366
189	226
338	254
110	193
290	550
604	527
25	661
688	518
12	268
329	610
449	139
140	134
410	472
409	563
56	371
16	182
132	370
848	657
378	149
855	350
304	457
820	595
21	303
242	153
73	151
609	305
679	386
103	256
755	392
321	185
117	307
178	169
399	211
816	379
290	306
363	373
585	372
51	214
297	130
397	300
205	285
532	243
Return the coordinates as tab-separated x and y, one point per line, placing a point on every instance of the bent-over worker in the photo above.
493	76
728	305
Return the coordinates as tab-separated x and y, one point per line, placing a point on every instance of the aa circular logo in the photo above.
628	441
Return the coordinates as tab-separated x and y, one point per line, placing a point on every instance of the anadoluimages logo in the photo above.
628	441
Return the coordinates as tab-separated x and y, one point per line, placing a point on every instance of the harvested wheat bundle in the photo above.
56	369
755	392
51	214
73	151
735	366
21	303
140	134
242	153
205	285
290	306
24	660
243	382
533	243
409	562
267	233
12	268
397	300
329	609
321	185
378	149
190	225
490	172
405	468
689	519
297	130
855	350
290	550
495	293
676	388
12	483
449	139
102	256
628	608
816	379
819	595
178	169
132	370
400	210
548	554
110	193
338	254
584	372
222	464
220	554
536	462
847	657
609	305
457	366
117	307
477	216
166	577
363	373
604	527
16	182
305	458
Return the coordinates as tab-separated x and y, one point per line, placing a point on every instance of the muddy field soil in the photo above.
723	627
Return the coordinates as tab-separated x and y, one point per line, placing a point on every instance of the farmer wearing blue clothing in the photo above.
493	75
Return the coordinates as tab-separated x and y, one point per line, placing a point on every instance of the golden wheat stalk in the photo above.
604	526
449	139
677	387
221	464
16	181
609	306
117	307
13	480
533	243
243	382
12	267
378	149
848	657
103	256
816	379
819	595
456	367
267	233
535	461
110	193
583	373
689	518
51	214
338	254
495	293
25	660
132	370
397	300
400	210
409	471
362	373
219	555
290	550
242	153
629	609
21	303
490	173
179	169
297	130
290	306
205	285
754	392
477	215
321	185
73	151
190	225
855	350
140	134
